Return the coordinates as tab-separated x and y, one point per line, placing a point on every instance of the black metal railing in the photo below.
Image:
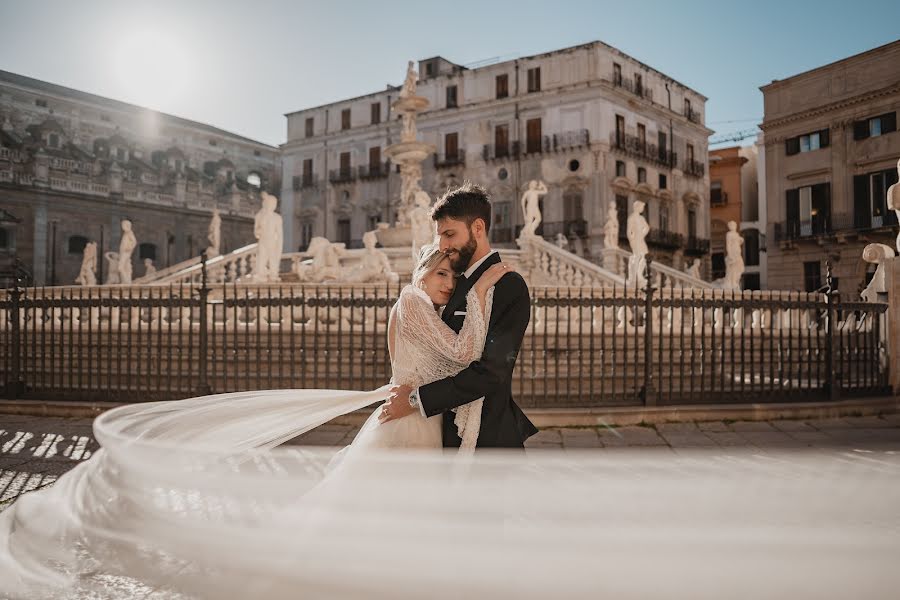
662	238
827	225
638	89
692	115
567	140
343	175
374	171
694	168
308	181
798	229
584	347
695	246
449	160
633	146
492	152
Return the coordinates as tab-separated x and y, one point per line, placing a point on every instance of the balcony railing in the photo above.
695	246
345	175
829	225
665	239
694	168
570	228
794	230
494	152
305	181
633	146
451	160
635	88
578	138
376	171
692	115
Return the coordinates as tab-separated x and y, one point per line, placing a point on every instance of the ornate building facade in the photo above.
831	150
593	123
73	165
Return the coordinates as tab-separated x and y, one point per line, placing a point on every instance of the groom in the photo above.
463	218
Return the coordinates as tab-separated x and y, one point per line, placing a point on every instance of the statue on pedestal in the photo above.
112	268
611	227
87	275
561	241
149	268
531	207
694	269
734	258
893	202
637	230
375	266
409	84
214	234
126	247
877	254
325	264
421	223
269	231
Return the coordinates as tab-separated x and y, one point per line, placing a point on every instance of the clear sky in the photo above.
240	65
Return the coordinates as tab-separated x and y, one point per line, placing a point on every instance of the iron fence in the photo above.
585	347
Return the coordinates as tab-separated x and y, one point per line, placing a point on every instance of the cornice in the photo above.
768	126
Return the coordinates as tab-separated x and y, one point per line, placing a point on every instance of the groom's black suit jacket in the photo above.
503	424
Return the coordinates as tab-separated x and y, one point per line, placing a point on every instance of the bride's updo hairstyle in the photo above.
430	256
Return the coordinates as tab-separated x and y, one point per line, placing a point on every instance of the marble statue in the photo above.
325	264
126	247
561	241
375	266
531	207
637	229
410	175
269	231
734	258
409	131
149	268
87	275
214	234
112	268
893	202
420	220
409	84
876	254
694	269
611	227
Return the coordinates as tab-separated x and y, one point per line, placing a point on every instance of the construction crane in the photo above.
736	136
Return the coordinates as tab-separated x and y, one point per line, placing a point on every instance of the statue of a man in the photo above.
611	227
734	258
126	247
149	268
420	221
375	266
531	207
637	229
409	84
893	201
269	231
87	276
325	264
214	234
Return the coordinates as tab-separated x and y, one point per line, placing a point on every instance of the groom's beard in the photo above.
461	257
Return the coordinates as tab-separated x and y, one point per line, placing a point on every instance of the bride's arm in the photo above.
421	326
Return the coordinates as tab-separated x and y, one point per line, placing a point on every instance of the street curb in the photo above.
563	417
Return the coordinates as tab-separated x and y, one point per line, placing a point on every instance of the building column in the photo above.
41	241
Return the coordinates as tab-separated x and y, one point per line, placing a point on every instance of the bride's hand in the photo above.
490	277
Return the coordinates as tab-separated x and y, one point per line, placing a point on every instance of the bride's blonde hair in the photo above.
430	256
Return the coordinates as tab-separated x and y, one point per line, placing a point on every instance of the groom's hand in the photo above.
397	405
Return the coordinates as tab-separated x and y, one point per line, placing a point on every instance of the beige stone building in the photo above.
831	150
73	165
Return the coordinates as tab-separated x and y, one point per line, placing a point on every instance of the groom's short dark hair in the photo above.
464	203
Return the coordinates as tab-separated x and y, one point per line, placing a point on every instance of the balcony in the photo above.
635	88
694	168
665	239
447	161
345	175
492	152
579	138
695	246
692	115
795	230
832	224
571	228
306	181
374	171
633	146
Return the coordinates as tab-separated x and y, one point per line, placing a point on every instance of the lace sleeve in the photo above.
438	350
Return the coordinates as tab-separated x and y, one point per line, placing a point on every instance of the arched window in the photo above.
77	244
147	250
254	180
4	239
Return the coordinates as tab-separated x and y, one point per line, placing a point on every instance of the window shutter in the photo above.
824	138
860	130
862	208
888	122
792	212
890	178
792	146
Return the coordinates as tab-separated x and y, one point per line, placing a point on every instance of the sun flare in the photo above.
152	67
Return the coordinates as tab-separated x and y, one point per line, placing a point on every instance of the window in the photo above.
307	172
296	182
501	216
345	164
622	213
257	153
642	136
376	113
375	158
213	143
718	265
573	210
716	195
343	231
502	85
104	118
309	126
880	125
812	275
642	175
617	74
808	210
451	96
429	69
638	84
663	217
692	223
532	135
534	80
687	108
663	181
690	154
41	103
254	180
870	202
620	168
4	239
53	140
751	281
501	141
751	248
147	250
663	146
76	244
306	234
345	119
807	142
120	154
620	131
178	165
451	145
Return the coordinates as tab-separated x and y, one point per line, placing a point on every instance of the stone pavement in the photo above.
35	451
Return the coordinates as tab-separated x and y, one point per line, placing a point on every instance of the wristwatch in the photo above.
414	398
